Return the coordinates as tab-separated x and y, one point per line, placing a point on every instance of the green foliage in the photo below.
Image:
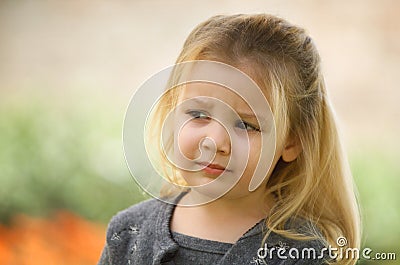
52	158
376	171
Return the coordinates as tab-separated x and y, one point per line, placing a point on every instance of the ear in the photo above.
291	150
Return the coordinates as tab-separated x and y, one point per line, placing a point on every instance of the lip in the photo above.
213	169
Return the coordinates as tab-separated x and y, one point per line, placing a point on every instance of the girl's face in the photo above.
217	134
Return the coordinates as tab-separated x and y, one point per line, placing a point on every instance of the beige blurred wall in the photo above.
73	52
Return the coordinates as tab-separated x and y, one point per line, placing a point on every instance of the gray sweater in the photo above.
141	235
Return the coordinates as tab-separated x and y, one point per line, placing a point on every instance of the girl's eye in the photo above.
198	114
246	126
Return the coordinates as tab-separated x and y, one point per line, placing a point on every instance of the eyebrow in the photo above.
198	100
251	116
247	115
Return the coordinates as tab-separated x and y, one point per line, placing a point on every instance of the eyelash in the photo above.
196	114
247	125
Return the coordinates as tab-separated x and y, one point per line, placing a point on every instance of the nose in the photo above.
219	135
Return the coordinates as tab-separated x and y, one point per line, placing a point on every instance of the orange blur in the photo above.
65	239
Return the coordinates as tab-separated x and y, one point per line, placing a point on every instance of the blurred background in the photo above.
69	68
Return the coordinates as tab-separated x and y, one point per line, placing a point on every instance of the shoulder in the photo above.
311	249
136	230
133	216
147	216
283	250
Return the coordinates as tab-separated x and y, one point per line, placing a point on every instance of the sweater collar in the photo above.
166	246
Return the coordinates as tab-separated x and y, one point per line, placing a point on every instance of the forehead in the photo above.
205	89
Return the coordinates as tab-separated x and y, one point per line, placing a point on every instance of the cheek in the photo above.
188	142
255	148
241	188
254	155
246	155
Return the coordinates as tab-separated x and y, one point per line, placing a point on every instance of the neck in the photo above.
254	205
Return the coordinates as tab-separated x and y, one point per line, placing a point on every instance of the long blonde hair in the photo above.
317	186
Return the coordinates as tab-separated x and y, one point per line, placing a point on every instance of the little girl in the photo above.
258	185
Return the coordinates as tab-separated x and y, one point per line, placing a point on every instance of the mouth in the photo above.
213	169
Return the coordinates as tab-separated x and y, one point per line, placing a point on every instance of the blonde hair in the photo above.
317	186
